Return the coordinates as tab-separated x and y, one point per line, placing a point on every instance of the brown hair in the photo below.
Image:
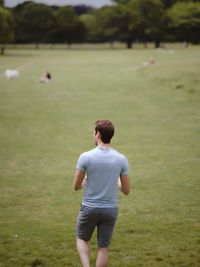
106	129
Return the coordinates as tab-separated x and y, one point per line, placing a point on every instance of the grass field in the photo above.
45	127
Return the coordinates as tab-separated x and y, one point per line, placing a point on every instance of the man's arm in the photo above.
124	184
79	180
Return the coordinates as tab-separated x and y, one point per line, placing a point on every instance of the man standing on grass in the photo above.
106	168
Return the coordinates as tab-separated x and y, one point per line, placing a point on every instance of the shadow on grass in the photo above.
37	262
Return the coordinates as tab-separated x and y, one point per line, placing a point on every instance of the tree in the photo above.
185	21
142	20
150	20
36	23
122	18
106	21
70	27
6	28
93	34
102	25
1	2
20	34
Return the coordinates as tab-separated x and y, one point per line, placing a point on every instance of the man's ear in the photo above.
98	134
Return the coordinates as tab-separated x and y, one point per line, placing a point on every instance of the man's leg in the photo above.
84	252
102	257
105	230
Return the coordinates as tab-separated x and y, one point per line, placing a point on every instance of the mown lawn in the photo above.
45	127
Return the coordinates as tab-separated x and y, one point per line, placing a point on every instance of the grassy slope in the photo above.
44	128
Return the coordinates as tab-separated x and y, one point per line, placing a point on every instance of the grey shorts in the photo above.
103	218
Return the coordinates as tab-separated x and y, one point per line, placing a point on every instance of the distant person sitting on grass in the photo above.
105	168
151	61
46	78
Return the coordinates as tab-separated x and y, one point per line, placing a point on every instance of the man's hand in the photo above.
84	182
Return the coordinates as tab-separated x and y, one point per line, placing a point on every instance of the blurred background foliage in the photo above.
127	21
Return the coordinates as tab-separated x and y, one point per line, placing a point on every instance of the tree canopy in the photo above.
185	21
91	26
126	21
121	24
36	23
149	22
6	27
70	27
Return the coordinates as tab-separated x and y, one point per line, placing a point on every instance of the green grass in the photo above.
45	127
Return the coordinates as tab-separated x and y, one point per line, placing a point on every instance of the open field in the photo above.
45	127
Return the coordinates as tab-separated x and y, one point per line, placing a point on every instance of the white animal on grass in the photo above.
11	74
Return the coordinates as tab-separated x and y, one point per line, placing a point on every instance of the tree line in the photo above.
126	21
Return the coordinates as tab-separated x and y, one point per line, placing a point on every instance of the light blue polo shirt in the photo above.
103	167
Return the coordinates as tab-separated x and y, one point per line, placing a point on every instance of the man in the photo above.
106	168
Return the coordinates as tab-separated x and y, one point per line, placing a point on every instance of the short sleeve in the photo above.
82	162
125	167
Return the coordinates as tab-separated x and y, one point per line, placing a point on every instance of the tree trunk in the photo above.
111	45
145	44
157	43
129	44
69	44
2	50
37	46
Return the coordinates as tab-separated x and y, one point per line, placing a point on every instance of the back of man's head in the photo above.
106	129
